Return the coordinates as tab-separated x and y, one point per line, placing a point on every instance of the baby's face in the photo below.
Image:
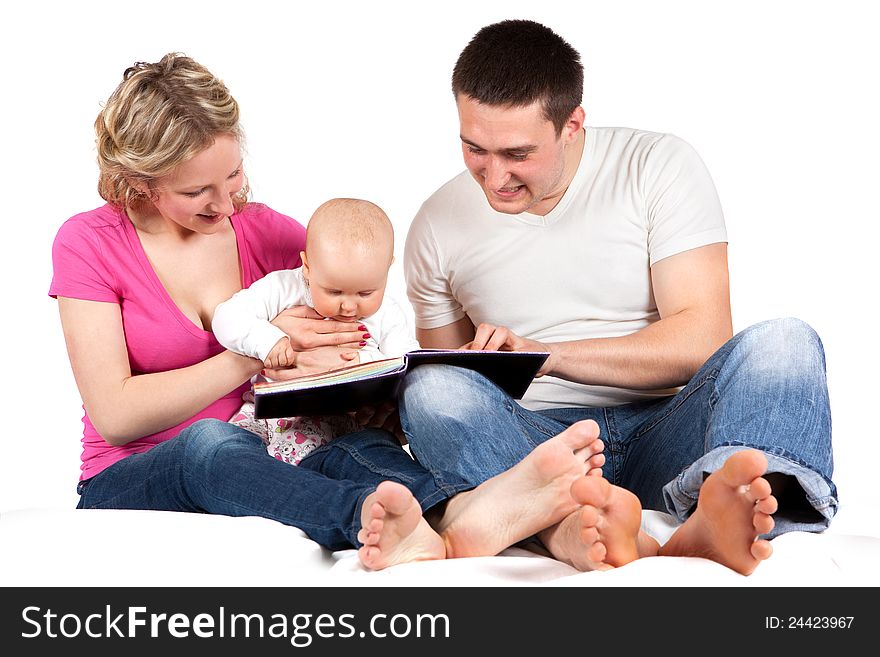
347	286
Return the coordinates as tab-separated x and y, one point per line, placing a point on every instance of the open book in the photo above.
349	388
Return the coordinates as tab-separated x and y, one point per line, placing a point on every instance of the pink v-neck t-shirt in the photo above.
97	256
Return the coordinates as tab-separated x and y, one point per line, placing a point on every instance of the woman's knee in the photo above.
208	439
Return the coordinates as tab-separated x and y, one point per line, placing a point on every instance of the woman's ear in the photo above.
142	187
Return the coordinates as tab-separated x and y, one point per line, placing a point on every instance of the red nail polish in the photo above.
363	344
366	335
362	328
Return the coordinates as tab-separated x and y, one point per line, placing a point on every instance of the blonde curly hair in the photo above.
160	116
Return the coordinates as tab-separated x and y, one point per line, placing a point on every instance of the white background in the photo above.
352	99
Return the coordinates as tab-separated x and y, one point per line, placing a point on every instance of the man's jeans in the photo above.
216	467
765	389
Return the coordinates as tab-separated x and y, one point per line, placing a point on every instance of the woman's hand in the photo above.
315	361
308	330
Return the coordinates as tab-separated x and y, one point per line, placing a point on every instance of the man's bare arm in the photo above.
692	293
451	336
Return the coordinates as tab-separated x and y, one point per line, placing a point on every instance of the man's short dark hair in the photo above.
519	62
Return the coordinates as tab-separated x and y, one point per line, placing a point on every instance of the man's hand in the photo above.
314	361
500	338
384	416
309	330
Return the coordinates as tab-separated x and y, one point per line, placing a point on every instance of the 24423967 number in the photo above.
808	622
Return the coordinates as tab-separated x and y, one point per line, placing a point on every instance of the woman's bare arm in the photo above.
124	407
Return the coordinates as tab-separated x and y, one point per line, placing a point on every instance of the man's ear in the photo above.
575	123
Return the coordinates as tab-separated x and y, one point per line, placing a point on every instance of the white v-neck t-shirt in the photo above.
581	271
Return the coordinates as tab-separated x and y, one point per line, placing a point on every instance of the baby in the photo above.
349	249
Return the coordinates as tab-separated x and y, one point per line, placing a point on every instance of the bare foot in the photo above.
530	496
603	533
734	508
393	530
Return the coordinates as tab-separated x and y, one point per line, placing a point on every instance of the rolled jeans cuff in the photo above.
681	494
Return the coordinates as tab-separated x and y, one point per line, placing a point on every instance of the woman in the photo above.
137	281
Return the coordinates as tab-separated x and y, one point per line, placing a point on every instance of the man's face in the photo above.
515	155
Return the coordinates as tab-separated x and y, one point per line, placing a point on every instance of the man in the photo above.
606	247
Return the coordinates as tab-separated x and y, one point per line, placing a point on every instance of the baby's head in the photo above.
349	248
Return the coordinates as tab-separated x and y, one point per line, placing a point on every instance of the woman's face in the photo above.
197	195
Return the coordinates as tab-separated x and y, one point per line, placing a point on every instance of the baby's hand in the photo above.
282	355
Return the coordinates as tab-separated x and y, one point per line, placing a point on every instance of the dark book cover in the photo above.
350	388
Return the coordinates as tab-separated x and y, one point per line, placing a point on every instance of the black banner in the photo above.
500	621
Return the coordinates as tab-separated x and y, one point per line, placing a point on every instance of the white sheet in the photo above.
51	547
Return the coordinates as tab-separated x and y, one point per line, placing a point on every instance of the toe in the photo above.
590	491
761	550
743	466
580	434
589	516
597	552
377	510
595	447
758	489
369	556
763	523
589	427
768	505
589	535
395	497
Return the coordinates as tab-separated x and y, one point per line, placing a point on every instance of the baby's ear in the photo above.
305	262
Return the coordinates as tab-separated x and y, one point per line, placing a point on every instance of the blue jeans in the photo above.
216	467
765	389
